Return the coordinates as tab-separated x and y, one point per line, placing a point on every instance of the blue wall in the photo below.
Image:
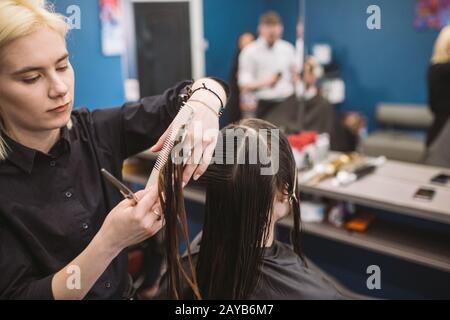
98	79
381	65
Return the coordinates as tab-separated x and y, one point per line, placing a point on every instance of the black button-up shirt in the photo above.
52	205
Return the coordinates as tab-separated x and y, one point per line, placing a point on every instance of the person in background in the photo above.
438	154
439	84
235	105
267	66
316	113
311	111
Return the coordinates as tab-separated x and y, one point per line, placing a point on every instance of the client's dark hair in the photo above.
238	212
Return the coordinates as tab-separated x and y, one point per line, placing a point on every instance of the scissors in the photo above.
124	190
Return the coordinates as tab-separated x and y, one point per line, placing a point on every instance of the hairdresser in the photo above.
267	67
64	230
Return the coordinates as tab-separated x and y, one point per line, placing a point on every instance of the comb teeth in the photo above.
183	117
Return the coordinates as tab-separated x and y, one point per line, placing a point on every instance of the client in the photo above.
238	257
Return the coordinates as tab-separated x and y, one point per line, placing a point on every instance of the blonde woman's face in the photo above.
36	82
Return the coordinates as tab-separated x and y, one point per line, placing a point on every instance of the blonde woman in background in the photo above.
439	84
63	230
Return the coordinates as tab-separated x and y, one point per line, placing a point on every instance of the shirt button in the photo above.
52	163
68	194
108	285
85	226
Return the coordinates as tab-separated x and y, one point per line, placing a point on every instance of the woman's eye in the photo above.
63	68
31	80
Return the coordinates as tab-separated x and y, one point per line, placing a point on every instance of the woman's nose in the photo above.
58	88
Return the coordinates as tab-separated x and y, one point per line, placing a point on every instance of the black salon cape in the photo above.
284	276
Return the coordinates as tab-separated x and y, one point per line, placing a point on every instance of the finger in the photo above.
152	222
149	220
125	203
193	161
155	227
208	152
188	146
188	172
159	145
140	194
147	201
157	210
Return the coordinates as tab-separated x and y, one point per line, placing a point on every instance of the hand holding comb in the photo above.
181	122
204	95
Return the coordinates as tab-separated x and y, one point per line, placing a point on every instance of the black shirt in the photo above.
438	98
52	205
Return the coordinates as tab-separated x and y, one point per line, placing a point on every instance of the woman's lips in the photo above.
61	108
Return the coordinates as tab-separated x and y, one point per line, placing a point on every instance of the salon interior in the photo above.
367	121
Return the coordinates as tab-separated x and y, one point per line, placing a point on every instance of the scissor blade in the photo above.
119	185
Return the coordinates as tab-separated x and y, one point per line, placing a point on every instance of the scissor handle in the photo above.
130	197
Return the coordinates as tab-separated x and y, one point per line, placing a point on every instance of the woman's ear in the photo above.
282	196
281	206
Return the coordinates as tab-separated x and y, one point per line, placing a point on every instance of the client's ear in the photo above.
281	206
282	196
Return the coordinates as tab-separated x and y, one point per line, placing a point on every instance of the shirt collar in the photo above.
24	157
65	135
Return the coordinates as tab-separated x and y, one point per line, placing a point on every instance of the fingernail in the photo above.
151	149
196	177
183	185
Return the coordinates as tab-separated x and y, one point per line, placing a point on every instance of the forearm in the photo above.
254	85
75	280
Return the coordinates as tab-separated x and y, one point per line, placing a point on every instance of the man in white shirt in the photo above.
267	66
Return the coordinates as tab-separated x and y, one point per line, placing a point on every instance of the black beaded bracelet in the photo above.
204	87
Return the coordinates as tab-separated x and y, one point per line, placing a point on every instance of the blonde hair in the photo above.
441	52
19	18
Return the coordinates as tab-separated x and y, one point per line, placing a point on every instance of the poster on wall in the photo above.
432	14
111	27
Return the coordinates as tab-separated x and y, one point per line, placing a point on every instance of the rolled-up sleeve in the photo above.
246	72
19	279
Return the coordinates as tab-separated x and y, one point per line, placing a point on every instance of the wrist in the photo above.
106	243
210	93
198	105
